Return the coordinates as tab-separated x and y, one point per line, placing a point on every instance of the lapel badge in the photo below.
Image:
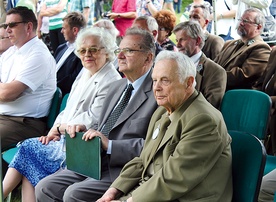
156	132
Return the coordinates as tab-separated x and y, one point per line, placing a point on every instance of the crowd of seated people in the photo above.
205	65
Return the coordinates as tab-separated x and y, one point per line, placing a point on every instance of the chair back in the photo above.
248	161
63	102
54	108
246	110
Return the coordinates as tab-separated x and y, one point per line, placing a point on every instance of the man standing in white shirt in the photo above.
28	80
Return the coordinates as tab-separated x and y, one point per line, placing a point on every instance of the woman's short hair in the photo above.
165	19
106	40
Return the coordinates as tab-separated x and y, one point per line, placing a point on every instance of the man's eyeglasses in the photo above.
244	21
126	51
91	50
11	24
3	37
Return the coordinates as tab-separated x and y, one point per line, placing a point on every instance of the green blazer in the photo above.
191	162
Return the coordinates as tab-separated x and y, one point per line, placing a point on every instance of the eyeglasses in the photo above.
11	24
126	51
91	50
244	21
3	37
162	29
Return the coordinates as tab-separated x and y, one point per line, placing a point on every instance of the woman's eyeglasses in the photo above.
91	50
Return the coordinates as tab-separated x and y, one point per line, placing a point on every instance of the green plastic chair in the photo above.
246	110
248	161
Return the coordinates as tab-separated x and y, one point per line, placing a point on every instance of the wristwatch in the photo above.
58	126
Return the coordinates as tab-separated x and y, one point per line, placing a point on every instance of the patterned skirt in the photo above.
36	161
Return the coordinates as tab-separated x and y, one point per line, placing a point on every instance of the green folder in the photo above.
84	157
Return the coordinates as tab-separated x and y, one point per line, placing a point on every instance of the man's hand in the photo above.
110	195
93	133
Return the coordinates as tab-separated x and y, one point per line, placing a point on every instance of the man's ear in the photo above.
154	33
259	26
75	30
149	57
190	81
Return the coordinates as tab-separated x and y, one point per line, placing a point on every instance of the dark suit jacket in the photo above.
130	130
269	87
245	65
212	46
192	161
211	81
68	72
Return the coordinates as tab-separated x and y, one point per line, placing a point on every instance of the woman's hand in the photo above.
72	129
52	135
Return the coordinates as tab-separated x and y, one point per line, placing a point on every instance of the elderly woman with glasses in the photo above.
166	21
40	157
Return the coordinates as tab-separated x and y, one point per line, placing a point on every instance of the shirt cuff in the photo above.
109	147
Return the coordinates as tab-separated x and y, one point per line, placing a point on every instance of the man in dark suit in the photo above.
126	137
210	78
68	64
245	59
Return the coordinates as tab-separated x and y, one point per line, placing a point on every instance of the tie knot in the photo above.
129	87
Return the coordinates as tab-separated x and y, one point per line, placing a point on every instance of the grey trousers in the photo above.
65	185
268	187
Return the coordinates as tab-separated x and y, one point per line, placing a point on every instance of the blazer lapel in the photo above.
140	97
61	52
113	103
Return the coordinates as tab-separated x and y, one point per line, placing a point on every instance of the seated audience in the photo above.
187	152
213	43
122	137
245	59
28	80
166	21
210	77
68	64
44	156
